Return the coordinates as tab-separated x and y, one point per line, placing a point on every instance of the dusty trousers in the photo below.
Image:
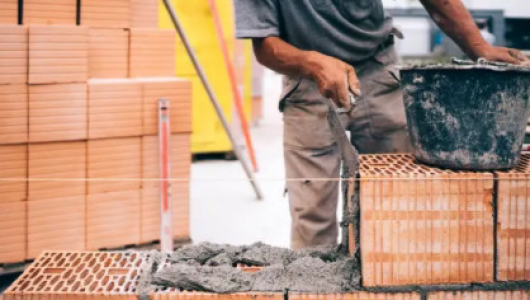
312	160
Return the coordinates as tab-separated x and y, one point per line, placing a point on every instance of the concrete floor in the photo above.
224	208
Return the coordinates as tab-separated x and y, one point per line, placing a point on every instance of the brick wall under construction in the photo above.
79	84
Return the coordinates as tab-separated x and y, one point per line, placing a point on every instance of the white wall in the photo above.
512	8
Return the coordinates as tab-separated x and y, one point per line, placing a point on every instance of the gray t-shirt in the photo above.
350	30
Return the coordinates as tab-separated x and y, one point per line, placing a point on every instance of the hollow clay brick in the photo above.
13	52
97	275
57	170
13	113
105	13
114	165
50	12
56	224
151	52
480	295
356	296
9	12
113	219
108	53
12	231
422	225
58	54
178	91
114	108
144	13
13	173
513	223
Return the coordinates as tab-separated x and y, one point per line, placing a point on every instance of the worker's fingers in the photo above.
343	93
354	84
518	55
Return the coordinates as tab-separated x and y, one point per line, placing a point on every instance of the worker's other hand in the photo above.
334	78
501	54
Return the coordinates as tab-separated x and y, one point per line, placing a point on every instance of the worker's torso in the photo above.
350	30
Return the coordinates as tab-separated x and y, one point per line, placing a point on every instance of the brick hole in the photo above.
87	257
58	256
80	268
105	280
103	257
92	262
76	262
123	263
121	281
68	273
93	287
37	280
134	273
110	287
88	280
133	256
128	286
46	262
96	268
61	262
54	280
107	263
41	286
83	274
100	274
58	286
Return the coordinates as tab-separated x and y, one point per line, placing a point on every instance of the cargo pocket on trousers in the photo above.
306	126
385	102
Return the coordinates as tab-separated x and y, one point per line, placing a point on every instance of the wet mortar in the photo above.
211	268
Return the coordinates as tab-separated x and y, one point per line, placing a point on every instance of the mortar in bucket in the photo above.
467	116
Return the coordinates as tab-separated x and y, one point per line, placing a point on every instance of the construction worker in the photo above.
328	49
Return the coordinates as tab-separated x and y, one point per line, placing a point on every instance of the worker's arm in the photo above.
456	21
334	78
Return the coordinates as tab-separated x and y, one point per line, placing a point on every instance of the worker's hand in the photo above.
501	54
334	78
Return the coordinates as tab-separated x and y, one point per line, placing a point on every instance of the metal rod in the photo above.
211	95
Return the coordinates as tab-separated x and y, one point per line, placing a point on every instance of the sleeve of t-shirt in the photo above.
257	18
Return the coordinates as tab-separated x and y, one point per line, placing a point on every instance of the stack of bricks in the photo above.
450	234
78	100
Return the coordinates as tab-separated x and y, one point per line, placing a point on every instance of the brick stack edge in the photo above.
72	106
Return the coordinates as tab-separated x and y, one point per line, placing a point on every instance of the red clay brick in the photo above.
114	108
13	173
178	92
98	275
479	295
55	224
58	54
356	296
114	165
513	223
108	53
113	219
105	13
422	225
57	170
144	14
152	52
13	231
49	12
9	12
13	52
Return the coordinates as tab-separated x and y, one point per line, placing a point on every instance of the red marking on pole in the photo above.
232	74
165	176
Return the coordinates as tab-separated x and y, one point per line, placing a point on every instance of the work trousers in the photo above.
377	125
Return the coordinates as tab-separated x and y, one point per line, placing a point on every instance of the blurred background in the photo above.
220	205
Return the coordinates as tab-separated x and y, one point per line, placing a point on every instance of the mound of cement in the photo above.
210	268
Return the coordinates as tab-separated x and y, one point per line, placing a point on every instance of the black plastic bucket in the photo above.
468	117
